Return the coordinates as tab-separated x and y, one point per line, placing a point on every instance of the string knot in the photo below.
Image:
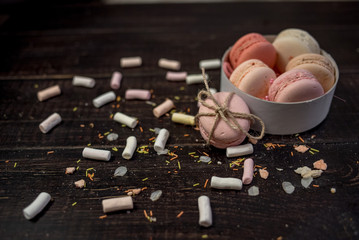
223	112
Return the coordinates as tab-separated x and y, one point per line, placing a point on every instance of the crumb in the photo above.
253	141
316	173
80	183
302	170
307	172
136	191
320	164
301	148
263	173
333	190
70	170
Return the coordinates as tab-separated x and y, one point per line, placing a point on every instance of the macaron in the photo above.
252	46
295	85
224	135
293	42
227	69
320	66
253	77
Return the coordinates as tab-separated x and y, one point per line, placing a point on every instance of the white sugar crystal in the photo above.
205	159
112	136
120	171
156	195
288	187
306	182
253	191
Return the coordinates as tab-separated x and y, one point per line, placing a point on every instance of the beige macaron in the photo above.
320	66
293	42
253	77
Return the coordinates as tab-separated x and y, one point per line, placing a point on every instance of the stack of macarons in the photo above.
290	69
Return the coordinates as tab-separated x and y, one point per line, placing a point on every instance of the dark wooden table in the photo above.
48	45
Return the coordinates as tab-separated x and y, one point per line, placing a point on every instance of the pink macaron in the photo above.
252	46
224	135
253	77
296	85
227	69
320	66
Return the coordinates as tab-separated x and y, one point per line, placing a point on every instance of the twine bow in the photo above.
223	112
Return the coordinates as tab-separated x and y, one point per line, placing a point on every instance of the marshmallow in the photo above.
104	99
124	119
205	211
37	205
96	154
50	122
48	93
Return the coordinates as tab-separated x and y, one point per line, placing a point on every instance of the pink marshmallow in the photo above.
138	94
176	76
248	171
163	108
116	80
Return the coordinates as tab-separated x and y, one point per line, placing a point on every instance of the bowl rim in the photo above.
324	53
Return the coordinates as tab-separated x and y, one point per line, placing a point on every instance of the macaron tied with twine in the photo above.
224	118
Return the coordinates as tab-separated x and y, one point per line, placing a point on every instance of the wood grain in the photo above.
41	48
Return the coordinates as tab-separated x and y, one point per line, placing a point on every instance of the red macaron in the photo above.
252	46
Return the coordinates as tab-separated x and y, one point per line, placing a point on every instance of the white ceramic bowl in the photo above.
285	118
